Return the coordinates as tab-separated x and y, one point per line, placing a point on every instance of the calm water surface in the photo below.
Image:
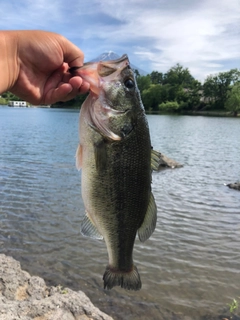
190	267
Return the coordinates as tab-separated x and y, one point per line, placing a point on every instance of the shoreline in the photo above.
27	297
209	113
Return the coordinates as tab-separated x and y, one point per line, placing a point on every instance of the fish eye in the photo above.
129	83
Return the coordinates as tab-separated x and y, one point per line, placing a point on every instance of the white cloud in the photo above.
156	34
207	31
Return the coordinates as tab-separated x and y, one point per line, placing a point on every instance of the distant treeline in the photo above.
76	102
179	92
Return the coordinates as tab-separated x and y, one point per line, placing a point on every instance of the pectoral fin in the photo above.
79	157
88	229
149	222
155	160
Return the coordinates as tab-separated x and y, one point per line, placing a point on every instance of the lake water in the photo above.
190	267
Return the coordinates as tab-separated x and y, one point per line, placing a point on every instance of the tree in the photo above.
189	98
170	106
233	99
216	88
182	87
73	103
152	96
156	77
10	96
210	90
179	76
136	72
143	82
225	79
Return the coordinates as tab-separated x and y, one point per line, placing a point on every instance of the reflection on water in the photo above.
191	264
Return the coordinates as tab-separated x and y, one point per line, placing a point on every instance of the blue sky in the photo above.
202	35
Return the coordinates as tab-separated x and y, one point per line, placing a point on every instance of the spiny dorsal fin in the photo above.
88	229
149	222
155	160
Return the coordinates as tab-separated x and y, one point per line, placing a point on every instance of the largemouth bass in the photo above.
117	160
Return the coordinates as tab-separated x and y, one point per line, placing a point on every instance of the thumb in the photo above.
71	53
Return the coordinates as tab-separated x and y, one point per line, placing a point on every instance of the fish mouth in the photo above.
97	72
105	67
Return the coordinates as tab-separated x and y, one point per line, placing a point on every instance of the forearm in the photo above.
8	60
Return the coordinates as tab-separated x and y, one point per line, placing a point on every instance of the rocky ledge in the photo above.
27	297
166	162
235	185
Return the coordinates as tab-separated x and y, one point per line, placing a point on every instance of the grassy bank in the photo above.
3	101
210	113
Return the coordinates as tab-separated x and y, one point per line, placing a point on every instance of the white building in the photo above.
17	104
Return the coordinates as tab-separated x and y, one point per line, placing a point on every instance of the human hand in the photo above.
41	67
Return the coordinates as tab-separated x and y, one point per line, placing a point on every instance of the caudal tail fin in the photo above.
128	280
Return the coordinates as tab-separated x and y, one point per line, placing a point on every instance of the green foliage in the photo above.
10	96
152	96
7	96
74	103
233	306
178	76
156	77
62	290
216	88
136	72
143	82
177	91
3	101
170	106
233	99
177	86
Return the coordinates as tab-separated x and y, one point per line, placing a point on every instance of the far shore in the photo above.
197	113
209	113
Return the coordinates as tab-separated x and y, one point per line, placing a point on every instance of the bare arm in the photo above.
34	66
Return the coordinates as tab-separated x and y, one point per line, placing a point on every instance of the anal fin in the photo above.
149	222
88	229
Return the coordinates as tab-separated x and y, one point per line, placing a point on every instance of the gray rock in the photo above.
25	297
166	162
235	185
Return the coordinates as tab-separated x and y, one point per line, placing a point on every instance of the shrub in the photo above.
169	106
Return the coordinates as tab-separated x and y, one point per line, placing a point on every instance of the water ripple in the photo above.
191	263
